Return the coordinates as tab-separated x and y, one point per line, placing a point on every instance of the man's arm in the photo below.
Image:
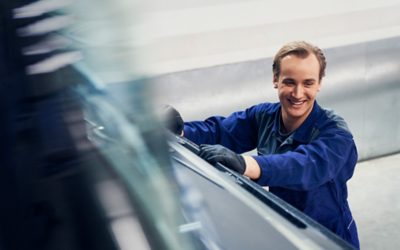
253	170
304	168
238	131
311	164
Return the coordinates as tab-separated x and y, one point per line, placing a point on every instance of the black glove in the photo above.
172	120
219	153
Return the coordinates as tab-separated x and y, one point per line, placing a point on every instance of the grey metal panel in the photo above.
362	85
366	91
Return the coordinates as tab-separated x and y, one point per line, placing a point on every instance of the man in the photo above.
306	153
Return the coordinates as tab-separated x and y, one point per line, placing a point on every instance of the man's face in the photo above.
298	85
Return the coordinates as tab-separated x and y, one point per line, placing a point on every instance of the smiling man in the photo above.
298	83
306	153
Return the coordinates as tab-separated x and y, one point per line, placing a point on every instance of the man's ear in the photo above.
275	81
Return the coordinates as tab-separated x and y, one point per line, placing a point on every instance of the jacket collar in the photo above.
304	133
306	130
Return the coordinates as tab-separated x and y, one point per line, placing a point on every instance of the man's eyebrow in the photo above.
288	78
310	80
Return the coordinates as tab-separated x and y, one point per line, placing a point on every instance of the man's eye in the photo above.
309	83
288	82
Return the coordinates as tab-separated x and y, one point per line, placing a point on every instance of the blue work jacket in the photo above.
308	168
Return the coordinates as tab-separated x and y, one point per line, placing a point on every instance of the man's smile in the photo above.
296	103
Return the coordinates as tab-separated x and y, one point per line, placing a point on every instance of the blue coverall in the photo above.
308	168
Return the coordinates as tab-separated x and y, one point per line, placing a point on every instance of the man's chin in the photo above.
296	112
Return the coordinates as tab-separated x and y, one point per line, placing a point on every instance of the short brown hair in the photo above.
301	49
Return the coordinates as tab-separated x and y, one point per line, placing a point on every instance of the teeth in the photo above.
296	103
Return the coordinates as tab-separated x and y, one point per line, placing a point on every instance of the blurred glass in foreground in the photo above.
78	170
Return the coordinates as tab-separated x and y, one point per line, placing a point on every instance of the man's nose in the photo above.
298	91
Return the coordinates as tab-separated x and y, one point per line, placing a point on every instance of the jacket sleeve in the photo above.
331	155
237	132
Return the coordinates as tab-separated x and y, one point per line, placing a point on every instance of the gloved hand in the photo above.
219	153
172	120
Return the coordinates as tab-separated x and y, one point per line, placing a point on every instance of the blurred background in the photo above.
215	57
81	65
